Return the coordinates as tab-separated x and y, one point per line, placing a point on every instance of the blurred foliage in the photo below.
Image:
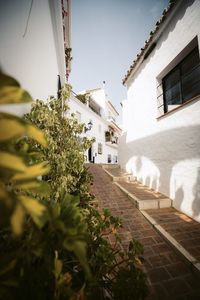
54	243
84	98
18	170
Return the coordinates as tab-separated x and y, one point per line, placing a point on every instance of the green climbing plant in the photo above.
42	236
61	249
109	265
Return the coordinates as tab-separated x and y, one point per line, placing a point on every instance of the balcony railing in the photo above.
97	110
111	138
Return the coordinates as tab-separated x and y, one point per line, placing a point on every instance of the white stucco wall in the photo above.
164	153
37	58
99	127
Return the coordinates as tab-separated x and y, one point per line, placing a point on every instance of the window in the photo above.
183	82
109	158
100	148
115	159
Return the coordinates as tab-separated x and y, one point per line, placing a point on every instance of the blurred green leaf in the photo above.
34	208
36	134
11	95
10	129
10	91
8	267
11	161
6	80
39	187
33	171
17	219
57	266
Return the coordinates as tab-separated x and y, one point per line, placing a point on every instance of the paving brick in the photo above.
159	261
158	274
185	230
157	292
177	269
162	247
163	265
176	287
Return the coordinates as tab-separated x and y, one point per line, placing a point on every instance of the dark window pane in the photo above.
191	84
171	79
183	82
173	95
190	61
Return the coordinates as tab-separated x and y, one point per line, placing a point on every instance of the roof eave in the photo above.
154	36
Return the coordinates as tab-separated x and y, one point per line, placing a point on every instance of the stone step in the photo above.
142	196
118	175
147	202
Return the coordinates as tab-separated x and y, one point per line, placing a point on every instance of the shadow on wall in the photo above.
168	162
196	193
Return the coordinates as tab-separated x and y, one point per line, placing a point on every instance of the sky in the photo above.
106	36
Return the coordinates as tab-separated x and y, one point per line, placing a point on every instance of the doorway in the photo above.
90	154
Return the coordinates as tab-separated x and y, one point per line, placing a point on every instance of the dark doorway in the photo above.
90	154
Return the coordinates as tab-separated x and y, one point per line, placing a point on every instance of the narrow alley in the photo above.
168	274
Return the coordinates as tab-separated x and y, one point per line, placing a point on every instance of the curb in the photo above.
191	260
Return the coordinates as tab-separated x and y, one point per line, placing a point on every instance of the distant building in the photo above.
35	44
92	108
161	116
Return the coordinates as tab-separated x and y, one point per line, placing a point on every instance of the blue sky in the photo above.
106	37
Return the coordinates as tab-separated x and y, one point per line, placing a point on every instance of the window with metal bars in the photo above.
100	148
183	82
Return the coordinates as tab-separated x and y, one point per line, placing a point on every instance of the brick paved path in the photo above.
185	230
169	277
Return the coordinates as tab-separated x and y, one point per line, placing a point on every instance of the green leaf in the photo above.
10	91
57	266
56	209
10	129
6	80
11	161
17	219
8	267
10	95
79	247
40	187
12	126
36	134
3	191
34	208
33	171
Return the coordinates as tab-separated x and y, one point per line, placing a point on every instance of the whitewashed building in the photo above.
161	116
92	108
35	44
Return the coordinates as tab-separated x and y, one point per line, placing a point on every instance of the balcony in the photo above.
111	139
95	107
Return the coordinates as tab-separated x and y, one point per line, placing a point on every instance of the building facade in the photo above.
35	44
161	116
99	116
